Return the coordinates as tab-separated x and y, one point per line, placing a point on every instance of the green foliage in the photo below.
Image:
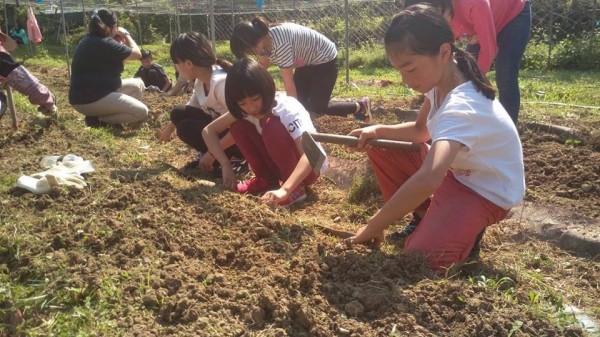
536	56
364	187
76	35
574	53
372	56
364	28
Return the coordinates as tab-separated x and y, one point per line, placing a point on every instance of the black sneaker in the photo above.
3	104
92	122
195	162
239	166
476	247
408	230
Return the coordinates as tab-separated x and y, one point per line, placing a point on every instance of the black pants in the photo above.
189	122
314	85
7	64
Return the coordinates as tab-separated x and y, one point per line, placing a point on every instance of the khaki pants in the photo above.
120	107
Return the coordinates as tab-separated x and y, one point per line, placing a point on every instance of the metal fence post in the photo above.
139	24
347	38
212	24
170	29
550	34
595	17
178	21
232	14
294	11
6	17
64	23
190	16
83	9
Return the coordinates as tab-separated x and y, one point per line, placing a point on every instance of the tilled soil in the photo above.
170	256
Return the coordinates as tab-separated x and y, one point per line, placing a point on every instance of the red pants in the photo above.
272	155
454	216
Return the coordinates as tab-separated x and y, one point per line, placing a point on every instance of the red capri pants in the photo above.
455	214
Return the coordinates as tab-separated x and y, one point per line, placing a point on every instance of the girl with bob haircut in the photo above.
495	31
267	129
195	59
97	90
307	61
471	175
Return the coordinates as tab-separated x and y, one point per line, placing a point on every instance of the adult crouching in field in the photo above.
267	129
496	32
97	90
16	75
195	59
307	61
472	173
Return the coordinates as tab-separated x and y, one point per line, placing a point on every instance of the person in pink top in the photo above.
24	82
494	31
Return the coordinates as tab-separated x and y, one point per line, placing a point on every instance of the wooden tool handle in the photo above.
353	141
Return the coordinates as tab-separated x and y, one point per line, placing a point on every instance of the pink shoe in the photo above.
297	195
364	113
256	186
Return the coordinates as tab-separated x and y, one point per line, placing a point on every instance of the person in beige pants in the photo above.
97	90
120	107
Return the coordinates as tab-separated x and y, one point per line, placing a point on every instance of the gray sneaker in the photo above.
364	113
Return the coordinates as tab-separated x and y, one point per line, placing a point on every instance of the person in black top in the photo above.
152	74
97	90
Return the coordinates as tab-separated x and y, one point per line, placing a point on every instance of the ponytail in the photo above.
469	68
101	22
195	47
224	64
261	25
246	35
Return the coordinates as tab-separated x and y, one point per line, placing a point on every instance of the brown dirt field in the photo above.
173	257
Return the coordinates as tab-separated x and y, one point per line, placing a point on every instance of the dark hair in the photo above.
422	30
248	78
195	47
146	54
102	21
246	34
443	5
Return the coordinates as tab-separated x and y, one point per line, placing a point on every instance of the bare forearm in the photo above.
300	173
213	143
166	87
407	132
227	141
408	197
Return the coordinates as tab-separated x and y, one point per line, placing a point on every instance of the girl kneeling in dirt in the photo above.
97	90
195	59
472	173
307	61
18	77
267	128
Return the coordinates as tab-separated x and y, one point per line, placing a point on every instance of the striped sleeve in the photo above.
298	46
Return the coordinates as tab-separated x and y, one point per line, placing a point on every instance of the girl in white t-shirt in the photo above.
267	129
472	173
195	59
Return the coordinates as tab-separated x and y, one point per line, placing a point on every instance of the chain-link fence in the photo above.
351	24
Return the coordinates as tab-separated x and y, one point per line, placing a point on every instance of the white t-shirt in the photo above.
491	160
294	117
214	101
